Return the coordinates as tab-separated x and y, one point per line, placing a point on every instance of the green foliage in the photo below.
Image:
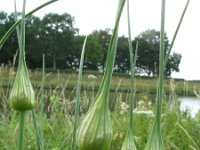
94	51
148	56
56	36
57	119
173	63
59	115
122	58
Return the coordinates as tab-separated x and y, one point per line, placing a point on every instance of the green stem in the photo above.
42	103
17	28
21	130
105	85
170	48
161	67
21	58
175	34
78	97
37	132
132	65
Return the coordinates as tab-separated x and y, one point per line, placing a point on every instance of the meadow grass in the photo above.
60	117
143	84
57	107
59	114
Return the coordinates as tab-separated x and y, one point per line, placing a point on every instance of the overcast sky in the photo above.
145	14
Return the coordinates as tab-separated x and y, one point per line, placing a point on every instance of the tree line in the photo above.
55	36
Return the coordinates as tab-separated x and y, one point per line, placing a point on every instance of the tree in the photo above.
77	47
122	56
34	44
173	64
148	54
58	35
55	36
10	47
104	37
96	49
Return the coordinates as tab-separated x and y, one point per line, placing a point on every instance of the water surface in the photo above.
190	104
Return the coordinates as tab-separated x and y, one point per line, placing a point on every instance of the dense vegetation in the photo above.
55	36
55	78
98	121
180	131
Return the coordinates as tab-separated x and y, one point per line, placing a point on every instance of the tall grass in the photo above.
95	131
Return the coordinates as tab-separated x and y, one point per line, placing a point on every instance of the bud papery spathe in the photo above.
22	95
155	141
129	143
95	132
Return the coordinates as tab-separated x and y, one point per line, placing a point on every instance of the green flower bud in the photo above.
95	132
22	95
129	143
155	141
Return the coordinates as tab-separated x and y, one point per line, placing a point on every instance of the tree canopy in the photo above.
148	54
55	36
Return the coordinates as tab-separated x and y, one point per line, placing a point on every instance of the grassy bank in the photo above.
57	78
59	110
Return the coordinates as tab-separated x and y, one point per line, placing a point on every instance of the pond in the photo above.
190	104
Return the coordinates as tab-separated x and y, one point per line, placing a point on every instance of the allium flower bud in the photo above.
129	143
155	139
95	132
22	95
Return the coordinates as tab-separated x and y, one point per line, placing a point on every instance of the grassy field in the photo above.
122	81
53	116
180	131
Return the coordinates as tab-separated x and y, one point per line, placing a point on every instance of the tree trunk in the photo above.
54	61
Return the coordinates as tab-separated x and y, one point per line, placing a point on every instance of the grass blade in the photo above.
187	134
42	104
37	131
